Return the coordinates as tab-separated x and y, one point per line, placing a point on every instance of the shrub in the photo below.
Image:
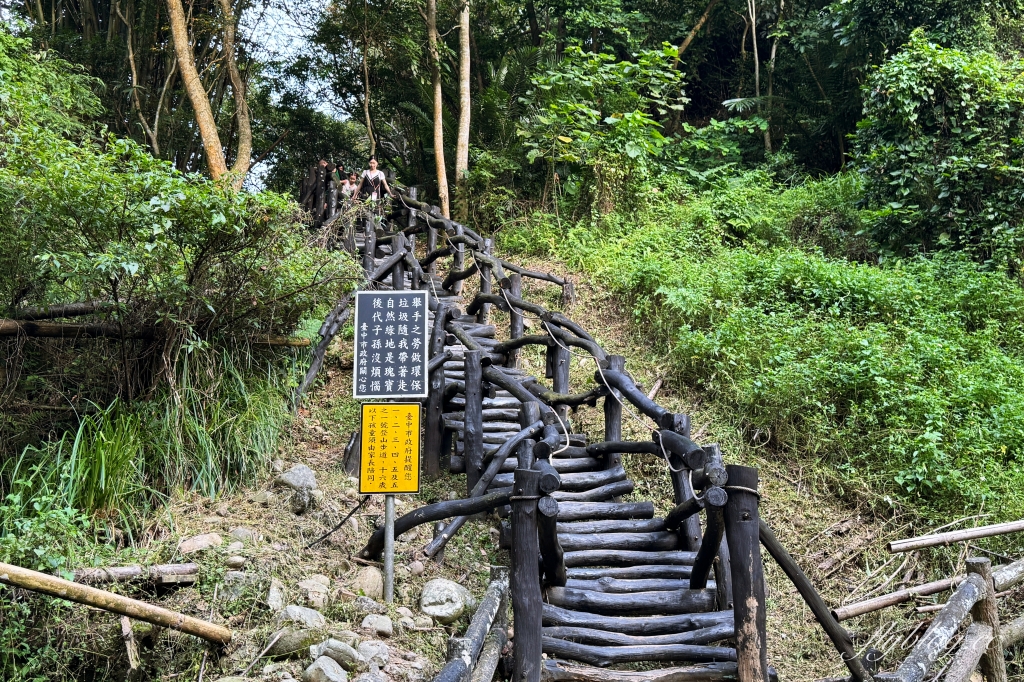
941	150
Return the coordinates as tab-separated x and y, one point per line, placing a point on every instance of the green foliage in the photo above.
942	151
593	108
907	376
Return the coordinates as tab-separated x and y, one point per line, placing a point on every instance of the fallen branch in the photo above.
119	574
956	536
860	608
115	603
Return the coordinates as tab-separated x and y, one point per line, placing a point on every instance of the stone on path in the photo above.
292	640
276	595
300	615
325	669
342	653
198	543
316	590
374	652
367	605
445	601
380	624
369	582
299	477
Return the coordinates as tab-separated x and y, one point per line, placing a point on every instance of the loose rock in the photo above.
369	582
324	669
276	595
346	636
198	543
235	583
235	561
445	601
293	640
416	567
316	590
342	653
300	615
374	652
405	611
235	547
265	497
243	534
367	605
300	501
380	624
299	477
423	622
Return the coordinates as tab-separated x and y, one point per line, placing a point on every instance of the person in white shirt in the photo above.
373	184
348	187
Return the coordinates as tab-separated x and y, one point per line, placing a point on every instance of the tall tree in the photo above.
465	104
214	150
435	76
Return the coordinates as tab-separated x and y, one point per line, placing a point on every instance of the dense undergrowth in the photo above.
907	375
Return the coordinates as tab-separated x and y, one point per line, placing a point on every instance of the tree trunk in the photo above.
696	27
435	77
366	102
243	158
196	93
462	145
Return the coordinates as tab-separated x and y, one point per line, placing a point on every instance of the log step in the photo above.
554	670
643	572
605	656
587	480
619	586
604	557
715	633
578	511
605	492
634	603
628	526
644	542
634	625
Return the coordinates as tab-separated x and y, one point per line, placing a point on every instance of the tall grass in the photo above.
216	429
907	376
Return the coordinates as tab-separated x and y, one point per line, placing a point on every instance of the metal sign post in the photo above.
389	465
390	362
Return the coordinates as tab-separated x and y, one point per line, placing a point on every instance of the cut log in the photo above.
715	633
600	557
627	526
969	653
643	572
632	625
633	604
646	542
120	574
610	655
578	511
605	492
941	631
115	603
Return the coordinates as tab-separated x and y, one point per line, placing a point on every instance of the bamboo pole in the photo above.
949	538
115	603
860	608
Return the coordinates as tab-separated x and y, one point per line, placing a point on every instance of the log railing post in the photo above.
458	260
986	610
431	247
613	414
515	317
369	243
485	284
434	422
560	378
742	529
398	273
473	422
411	241
551	552
525	583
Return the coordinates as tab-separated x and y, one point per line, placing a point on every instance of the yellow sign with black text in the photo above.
390	453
